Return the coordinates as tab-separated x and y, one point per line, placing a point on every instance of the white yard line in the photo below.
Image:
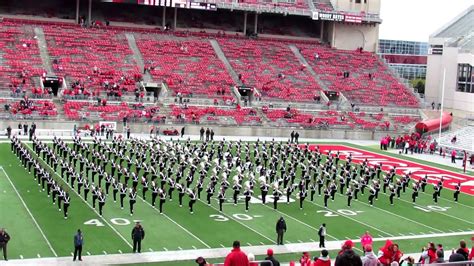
87	203
355	220
232	218
173	221
399	216
301	222
29	212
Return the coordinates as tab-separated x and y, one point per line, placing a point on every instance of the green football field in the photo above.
38	228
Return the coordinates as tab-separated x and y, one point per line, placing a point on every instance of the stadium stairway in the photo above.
137	56
220	54
43	49
303	61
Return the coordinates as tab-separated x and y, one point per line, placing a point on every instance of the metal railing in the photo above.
256	262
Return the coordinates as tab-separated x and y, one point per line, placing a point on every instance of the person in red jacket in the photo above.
236	257
324	260
471	255
429	254
390	253
305	259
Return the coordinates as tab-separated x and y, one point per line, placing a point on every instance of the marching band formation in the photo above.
161	167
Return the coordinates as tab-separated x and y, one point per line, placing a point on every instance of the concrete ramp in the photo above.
137	55
43	49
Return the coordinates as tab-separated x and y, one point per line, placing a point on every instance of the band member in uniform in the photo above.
248	195
210	193
302	196
436	190
392	194
456	192
221	198
327	194
101	198
162	195
144	187
414	194
132	199
350	194
115	190
66	203
123	193
372	196
181	192
276	195
192	199
154	193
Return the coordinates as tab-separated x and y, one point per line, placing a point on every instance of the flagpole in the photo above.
442	105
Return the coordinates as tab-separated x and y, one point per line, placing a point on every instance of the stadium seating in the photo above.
77	52
189	66
19	57
271	67
213	115
31	109
381	89
85	110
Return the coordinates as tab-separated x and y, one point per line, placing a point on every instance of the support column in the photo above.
175	18
322	31
255	26
77	11
90	12
245	23
163	23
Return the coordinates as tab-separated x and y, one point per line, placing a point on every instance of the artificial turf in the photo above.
207	228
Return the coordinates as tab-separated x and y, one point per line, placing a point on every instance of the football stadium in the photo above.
233	132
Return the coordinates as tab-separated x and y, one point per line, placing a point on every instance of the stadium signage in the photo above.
328	16
353	19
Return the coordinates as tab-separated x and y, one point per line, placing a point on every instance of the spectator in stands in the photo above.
471	255
440	256
305	259
440	252
201	261
428	255
389	253
323	260
463	250
251	258
348	258
369	259
270	257
236	257
347	245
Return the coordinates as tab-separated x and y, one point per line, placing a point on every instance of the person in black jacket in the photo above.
4	238
138	234
270	258
280	229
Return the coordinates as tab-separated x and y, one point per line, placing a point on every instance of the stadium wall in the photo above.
371	6
351	36
66	129
449	59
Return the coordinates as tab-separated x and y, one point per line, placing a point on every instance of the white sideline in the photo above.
29	212
192	254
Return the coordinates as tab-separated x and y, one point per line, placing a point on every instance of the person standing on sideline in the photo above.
280	229
78	242
201	134
4	238
138	234
453	156
365	240
182	131
9	131
322	235
236	257
128	132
